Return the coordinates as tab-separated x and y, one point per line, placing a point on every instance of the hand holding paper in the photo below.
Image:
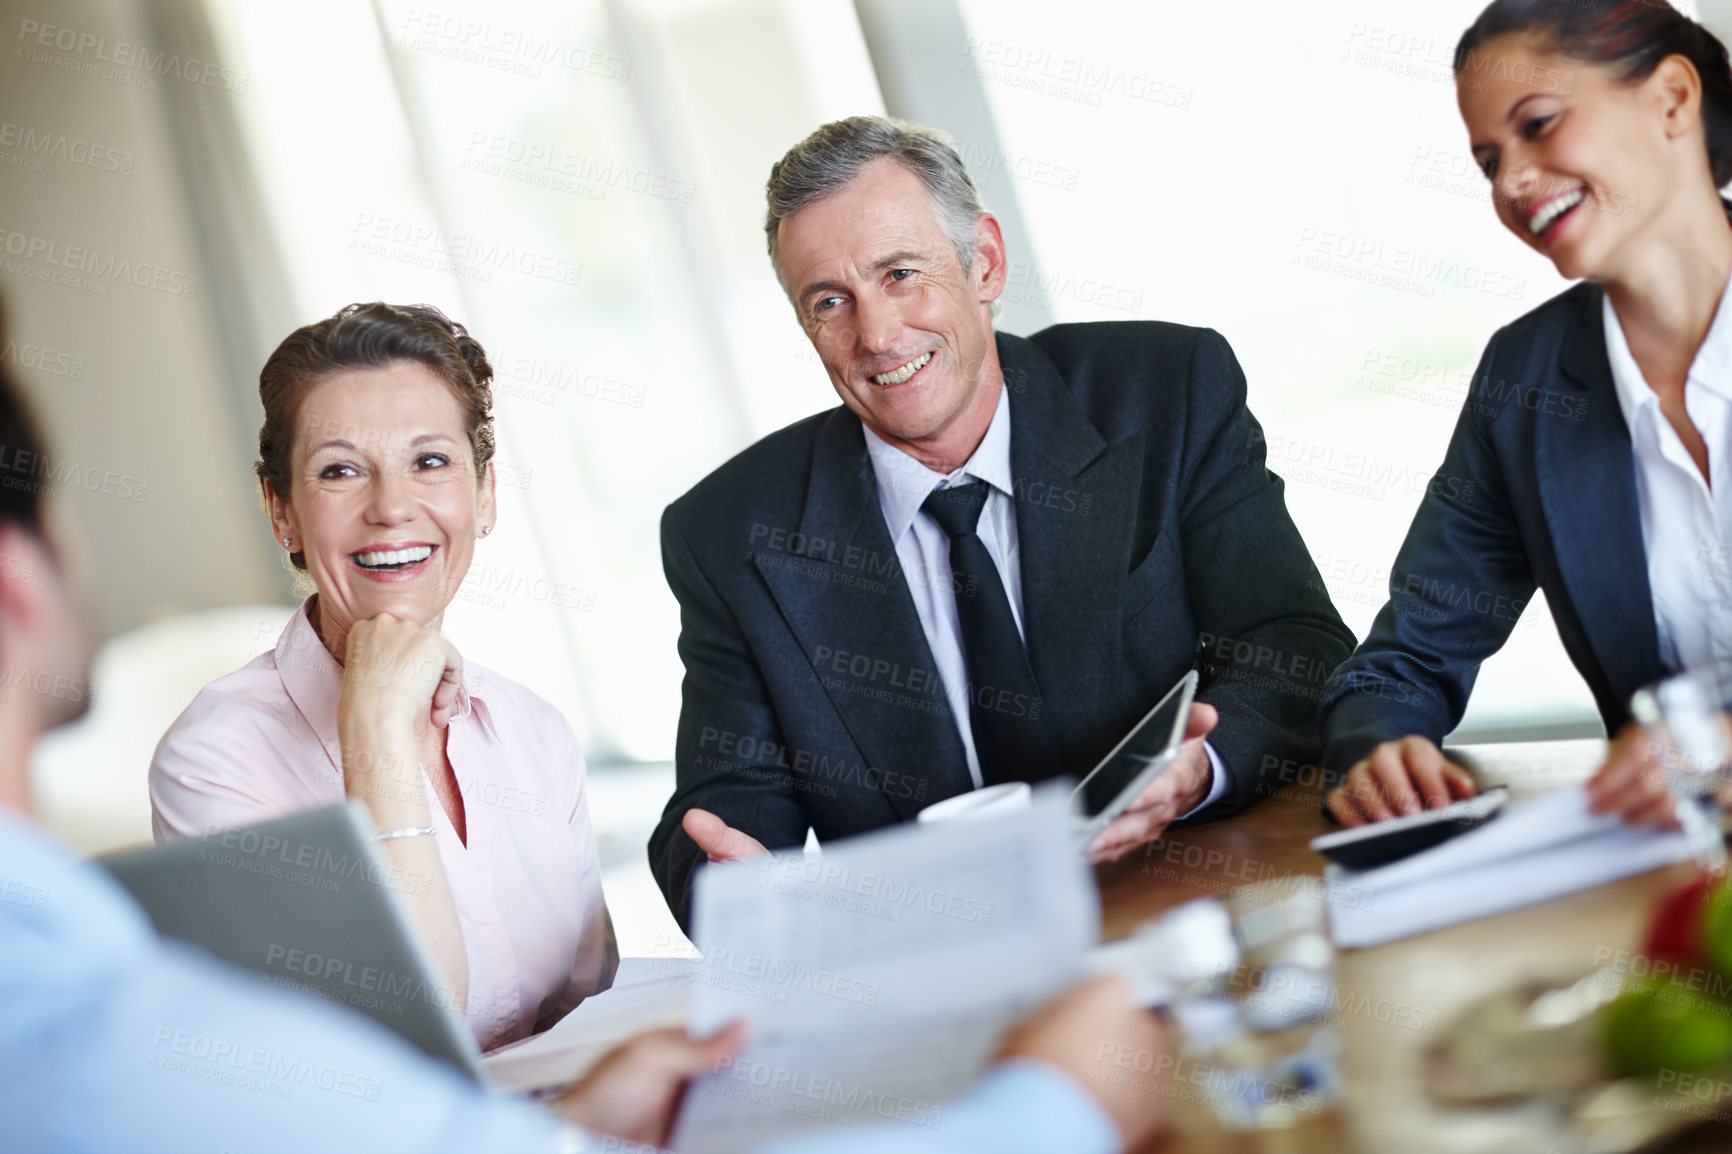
633	1092
1093	1029
878	979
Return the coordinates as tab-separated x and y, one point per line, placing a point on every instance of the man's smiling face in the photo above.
904	332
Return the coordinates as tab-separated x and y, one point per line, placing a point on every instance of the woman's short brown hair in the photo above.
370	336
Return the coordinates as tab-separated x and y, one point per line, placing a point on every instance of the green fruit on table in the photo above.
1715	921
1660	1025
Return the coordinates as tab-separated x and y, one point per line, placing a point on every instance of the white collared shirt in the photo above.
1686	521
924	552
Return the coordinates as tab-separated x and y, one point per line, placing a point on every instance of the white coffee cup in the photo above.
988	801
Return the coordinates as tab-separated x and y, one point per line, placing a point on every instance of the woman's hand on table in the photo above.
1397	779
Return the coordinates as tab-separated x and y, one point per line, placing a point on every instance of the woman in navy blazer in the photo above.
1606	133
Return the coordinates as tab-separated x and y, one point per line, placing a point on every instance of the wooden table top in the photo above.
1390	993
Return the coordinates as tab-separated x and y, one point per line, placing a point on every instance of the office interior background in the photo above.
580	182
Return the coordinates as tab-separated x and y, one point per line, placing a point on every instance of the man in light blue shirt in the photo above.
112	1039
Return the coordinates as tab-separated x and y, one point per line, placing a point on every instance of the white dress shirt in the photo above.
1686	520
924	551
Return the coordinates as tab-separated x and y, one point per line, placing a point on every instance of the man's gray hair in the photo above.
831	158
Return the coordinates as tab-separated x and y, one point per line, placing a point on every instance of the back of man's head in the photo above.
45	639
21	462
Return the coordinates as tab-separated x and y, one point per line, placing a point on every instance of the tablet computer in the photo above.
1378	843
305	902
1134	762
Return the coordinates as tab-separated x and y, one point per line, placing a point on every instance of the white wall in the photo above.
136	399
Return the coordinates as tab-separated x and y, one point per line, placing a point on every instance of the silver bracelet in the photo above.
406	831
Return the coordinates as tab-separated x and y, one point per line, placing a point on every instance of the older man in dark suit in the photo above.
991	560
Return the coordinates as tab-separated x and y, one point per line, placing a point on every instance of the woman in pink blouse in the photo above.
374	458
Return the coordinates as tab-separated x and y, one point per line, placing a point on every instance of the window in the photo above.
581	185
1295	176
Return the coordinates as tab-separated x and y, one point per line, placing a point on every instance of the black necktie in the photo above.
1006	712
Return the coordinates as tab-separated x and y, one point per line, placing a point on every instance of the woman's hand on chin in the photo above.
396	669
395	673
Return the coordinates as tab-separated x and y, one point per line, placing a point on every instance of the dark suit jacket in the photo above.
1538	489
1147	522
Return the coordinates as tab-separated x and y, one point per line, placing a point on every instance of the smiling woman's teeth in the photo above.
393	558
1543	219
897	376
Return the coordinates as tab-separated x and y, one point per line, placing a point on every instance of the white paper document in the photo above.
1529	854
647	993
879	976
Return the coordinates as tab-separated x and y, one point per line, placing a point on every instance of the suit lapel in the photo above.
1587	482
843	593
1075	502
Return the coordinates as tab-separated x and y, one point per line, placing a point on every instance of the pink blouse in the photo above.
262	742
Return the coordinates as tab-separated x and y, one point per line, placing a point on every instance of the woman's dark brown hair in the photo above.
370	336
1632	36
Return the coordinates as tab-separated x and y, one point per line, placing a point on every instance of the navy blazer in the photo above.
1538	489
1147	523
